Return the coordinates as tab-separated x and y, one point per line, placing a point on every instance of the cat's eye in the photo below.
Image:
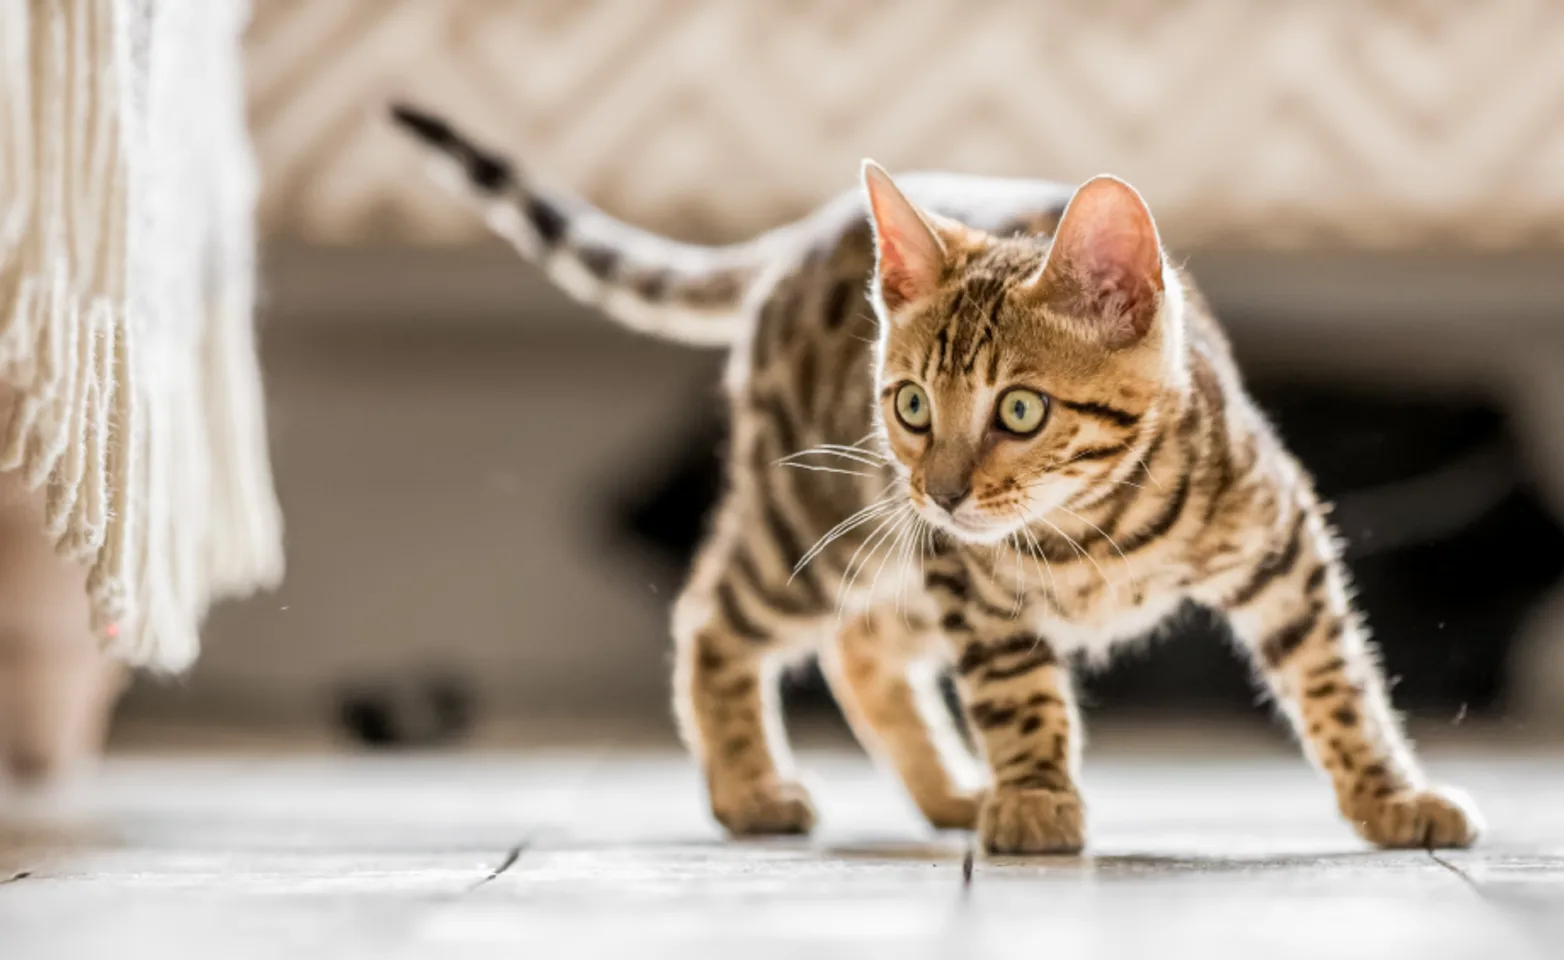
1021	411
912	407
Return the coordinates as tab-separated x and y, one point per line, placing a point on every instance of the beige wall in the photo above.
443	495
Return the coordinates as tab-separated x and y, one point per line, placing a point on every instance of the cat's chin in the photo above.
980	533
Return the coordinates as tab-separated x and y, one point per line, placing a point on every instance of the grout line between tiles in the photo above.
510	861
1496	906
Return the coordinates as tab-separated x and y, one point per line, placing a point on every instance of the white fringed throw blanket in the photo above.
126	281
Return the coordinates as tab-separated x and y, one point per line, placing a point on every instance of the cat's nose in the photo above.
949	499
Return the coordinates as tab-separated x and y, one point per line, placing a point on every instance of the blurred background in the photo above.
491	493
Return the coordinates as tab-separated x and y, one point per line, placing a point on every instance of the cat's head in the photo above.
1016	373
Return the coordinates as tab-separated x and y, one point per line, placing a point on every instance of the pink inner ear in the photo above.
1106	262
1108	230
911	257
1113	250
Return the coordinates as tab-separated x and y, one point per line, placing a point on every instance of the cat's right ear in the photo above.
908	252
1105	266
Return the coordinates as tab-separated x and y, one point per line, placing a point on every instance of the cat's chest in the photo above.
1091	602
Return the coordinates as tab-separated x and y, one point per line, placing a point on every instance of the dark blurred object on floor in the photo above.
407	712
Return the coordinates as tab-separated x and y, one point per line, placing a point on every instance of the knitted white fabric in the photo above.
126	280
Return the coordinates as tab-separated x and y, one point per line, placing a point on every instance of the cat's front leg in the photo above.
1295	618
1018	700
728	636
896	712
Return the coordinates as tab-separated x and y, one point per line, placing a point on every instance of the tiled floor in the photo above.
1218	851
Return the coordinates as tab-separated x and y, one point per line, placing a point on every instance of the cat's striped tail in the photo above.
677	291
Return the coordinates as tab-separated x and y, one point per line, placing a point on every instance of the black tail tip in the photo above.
423	125
487	172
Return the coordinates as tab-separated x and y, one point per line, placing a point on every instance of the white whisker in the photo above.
857	457
923	545
874	509
873	512
887	518
1082	551
1129	483
896	539
1029	486
1015	547
1149	475
853	448
1129	568
882	532
905	559
1037	553
819	469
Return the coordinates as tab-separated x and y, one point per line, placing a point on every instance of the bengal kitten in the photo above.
985	428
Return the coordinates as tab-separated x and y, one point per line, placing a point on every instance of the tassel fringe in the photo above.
126	282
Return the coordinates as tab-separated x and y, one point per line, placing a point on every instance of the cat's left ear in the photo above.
1104	269
909	254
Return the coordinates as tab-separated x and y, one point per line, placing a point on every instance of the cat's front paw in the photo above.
1032	821
956	811
764	807
1426	819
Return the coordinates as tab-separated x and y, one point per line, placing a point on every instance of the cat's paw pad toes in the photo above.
766	807
1426	819
956	811
1013	821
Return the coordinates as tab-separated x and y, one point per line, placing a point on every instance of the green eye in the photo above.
912	407
1021	411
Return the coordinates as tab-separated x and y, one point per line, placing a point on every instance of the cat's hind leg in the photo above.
734	624
878	668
